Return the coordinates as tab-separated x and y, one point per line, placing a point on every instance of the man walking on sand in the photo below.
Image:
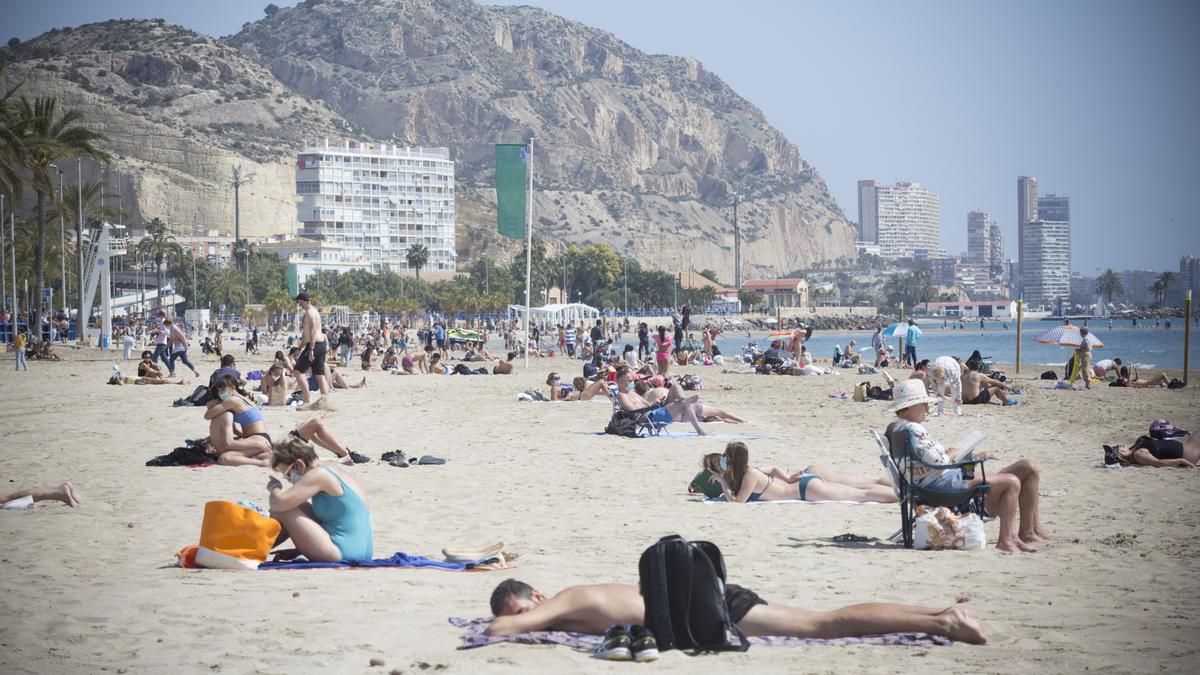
312	350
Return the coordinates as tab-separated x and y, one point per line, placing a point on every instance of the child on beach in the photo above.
1013	488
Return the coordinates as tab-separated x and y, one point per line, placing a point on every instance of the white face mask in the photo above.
294	476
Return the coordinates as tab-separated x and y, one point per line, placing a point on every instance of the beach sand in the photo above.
92	589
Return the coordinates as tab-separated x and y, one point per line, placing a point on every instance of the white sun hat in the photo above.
909	393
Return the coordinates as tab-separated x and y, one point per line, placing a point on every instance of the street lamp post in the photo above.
625	262
737	246
62	243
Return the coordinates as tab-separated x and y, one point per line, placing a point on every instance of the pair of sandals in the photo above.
397	458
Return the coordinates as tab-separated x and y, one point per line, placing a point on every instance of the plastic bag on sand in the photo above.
939	529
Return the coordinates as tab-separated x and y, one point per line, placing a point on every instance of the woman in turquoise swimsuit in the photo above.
817	483
336	524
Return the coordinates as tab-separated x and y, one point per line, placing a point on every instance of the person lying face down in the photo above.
519	608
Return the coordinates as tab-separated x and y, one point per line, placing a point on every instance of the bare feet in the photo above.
1015	545
65	493
962	625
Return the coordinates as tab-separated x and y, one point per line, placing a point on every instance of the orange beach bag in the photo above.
234	537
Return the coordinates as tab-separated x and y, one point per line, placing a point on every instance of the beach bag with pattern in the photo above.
940	529
234	537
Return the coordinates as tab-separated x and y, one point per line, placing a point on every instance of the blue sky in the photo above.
1098	99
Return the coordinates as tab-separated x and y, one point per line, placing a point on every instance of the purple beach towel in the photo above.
473	636
397	560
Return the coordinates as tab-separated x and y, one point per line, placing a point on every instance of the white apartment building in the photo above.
372	201
909	218
1046	262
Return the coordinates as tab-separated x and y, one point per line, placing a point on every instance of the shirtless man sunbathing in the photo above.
630	401
519	608
979	389
706	412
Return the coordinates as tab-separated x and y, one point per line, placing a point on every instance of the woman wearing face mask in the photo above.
579	390
236	429
335	524
743	483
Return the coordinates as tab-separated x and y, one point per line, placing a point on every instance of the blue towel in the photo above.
397	560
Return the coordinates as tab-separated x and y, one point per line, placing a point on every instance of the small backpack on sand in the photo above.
622	425
683	584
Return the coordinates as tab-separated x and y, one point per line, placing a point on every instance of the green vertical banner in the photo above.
512	178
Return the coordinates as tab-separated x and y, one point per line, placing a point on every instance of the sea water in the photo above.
1144	346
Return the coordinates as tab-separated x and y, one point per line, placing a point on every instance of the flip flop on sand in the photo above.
429	459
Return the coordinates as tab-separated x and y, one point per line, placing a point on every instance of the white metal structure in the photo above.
556	314
99	273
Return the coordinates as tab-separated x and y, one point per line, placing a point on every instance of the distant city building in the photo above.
979	238
1189	276
1045	262
868	211
779	292
1027	205
367	203
864	248
1138	286
211	245
996	262
909	219
1054	208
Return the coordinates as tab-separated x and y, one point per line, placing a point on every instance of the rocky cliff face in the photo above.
180	111
641	151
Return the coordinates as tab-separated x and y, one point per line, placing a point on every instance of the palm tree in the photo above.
277	302
1108	286
161	246
1162	285
228	286
45	136
417	257
237	179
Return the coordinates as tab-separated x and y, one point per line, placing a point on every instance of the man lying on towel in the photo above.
593	609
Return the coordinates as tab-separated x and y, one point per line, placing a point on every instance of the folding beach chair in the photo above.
894	450
640	419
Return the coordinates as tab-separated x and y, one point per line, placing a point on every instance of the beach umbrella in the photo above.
899	329
1066	336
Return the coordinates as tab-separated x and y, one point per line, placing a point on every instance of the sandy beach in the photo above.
92	589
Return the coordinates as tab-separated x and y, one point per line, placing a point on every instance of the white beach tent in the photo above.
557	313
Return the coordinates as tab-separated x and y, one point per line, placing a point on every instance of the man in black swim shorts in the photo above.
519	608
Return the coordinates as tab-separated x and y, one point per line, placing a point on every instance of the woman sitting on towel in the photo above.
236	428
336	524
817	483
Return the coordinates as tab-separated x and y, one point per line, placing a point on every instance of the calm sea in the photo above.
1145	346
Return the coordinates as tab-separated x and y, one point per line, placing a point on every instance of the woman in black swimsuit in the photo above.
1148	451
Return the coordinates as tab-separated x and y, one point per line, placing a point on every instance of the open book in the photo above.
966	446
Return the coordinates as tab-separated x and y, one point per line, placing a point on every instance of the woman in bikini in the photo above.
236	430
335	524
579	389
1148	451
743	483
662	354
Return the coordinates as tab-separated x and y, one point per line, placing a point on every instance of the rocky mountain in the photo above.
639	150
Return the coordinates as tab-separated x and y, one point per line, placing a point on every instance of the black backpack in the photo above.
683	585
622	425
1049	375
200	396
